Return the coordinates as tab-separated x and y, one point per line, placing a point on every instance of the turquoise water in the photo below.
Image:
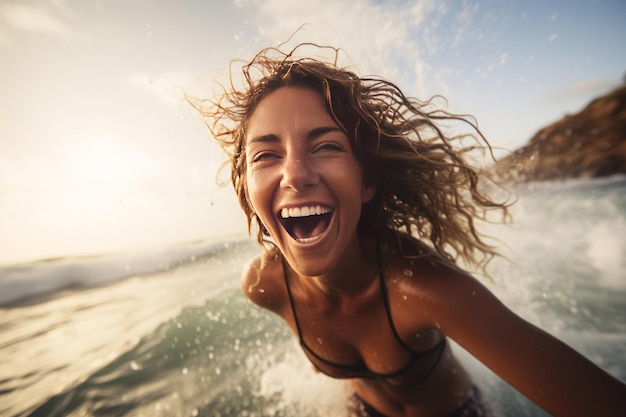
168	333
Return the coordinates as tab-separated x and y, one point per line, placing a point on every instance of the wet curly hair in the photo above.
425	187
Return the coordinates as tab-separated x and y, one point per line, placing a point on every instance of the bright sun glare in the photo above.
105	161
102	172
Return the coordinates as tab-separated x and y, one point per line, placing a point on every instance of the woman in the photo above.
368	207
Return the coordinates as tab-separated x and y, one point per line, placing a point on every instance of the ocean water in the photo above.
168	333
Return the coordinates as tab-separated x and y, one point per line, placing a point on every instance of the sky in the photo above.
99	152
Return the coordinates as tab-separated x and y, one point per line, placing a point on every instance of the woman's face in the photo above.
303	181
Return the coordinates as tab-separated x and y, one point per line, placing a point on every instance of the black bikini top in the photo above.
402	377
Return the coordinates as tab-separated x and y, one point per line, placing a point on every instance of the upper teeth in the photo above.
303	211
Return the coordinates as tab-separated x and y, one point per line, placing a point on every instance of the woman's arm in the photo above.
546	370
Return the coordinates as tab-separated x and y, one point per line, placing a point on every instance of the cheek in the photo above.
351	177
256	192
251	190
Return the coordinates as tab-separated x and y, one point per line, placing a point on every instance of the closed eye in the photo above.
264	156
329	147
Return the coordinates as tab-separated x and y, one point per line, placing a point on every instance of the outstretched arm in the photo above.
546	370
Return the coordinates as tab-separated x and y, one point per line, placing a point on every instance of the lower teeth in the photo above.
306	239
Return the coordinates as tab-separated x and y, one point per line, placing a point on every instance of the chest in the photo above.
368	339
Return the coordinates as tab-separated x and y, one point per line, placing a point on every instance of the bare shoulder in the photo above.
443	295
546	370
262	282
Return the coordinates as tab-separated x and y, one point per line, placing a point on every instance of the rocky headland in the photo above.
588	144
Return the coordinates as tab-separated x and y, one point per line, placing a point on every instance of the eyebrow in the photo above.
311	135
321	131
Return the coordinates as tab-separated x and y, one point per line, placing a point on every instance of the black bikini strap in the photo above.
385	295
291	302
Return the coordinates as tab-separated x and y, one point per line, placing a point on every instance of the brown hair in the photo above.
425	186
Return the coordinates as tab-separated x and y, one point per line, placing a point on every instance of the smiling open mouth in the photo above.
305	224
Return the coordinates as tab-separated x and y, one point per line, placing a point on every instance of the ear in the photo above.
367	193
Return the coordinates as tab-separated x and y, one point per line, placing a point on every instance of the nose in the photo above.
298	172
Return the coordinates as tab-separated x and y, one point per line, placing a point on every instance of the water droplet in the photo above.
218	371
408	273
320	341
404	297
134	366
185	371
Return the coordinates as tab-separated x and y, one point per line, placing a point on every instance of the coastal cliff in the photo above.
588	144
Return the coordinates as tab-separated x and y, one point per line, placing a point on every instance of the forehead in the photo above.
288	108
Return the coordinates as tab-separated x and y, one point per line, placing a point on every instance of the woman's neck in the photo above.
352	276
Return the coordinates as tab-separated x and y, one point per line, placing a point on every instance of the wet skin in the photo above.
306	186
298	157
